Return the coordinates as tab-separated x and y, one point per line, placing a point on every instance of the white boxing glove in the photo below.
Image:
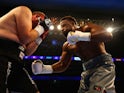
74	37
39	29
39	68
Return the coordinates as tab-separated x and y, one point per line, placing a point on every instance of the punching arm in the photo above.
39	68
76	36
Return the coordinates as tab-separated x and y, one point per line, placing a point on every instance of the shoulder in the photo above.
66	46
22	10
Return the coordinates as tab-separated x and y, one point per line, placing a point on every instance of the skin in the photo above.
85	50
16	25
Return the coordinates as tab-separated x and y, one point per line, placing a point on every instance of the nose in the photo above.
62	29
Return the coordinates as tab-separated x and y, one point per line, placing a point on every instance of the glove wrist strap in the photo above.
47	69
38	40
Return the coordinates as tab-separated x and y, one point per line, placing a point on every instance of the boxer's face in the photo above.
34	21
66	26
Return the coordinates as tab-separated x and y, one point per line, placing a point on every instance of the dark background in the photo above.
99	11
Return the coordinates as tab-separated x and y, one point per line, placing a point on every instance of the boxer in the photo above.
21	32
87	42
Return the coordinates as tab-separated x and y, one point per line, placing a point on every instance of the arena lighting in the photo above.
54	42
52	27
44	77
58	58
56	77
110	29
59	27
113	19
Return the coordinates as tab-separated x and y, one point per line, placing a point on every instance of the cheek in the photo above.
34	23
69	27
34	17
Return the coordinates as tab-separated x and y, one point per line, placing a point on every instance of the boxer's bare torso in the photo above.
86	50
8	27
16	25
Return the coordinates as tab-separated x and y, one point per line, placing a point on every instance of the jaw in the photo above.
66	33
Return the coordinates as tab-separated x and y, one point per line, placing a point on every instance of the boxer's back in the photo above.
8	27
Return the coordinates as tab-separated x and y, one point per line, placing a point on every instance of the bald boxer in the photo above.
87	42
21	32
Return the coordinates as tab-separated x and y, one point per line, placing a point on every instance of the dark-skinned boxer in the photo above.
21	32
87	42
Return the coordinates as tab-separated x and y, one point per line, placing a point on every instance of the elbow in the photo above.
26	39
109	37
63	67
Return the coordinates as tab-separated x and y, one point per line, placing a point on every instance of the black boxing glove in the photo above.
41	23
46	23
44	26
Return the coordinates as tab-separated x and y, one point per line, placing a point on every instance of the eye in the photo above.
63	25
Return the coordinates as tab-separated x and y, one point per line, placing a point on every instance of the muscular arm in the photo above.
31	48
98	33
23	17
63	63
90	32
39	68
65	60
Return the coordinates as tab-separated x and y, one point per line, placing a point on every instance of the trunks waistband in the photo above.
97	61
11	48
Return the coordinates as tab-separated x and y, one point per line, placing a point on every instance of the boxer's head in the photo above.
68	23
36	16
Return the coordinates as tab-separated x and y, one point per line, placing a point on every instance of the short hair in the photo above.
69	18
38	12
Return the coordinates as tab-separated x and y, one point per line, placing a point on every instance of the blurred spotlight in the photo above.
109	29
54	42
52	27
59	27
113	19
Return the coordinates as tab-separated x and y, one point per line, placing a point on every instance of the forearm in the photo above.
30	36
31	48
39	68
59	67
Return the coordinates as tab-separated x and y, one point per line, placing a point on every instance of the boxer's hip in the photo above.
11	49
98	61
